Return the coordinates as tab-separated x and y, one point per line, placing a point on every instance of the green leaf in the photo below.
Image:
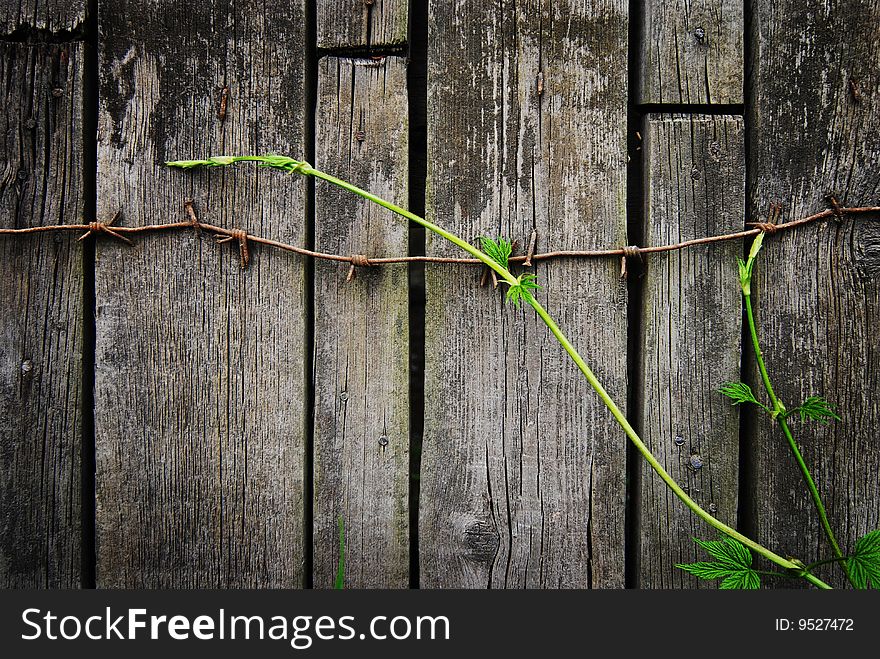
746	267
817	409
738	392
864	564
744	272
283	163
733	564
215	161
727	551
756	246
340	570
744	580
499	251
520	290
705	570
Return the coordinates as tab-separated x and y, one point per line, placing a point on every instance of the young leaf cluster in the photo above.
732	564
739	393
815	408
270	160
520	290
282	163
746	267
215	161
497	250
864	564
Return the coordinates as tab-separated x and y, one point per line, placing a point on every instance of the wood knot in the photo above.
482	541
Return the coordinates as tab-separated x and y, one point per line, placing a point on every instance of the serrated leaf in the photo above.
738	392
728	552
705	570
514	294
739	551
817	409
715	548
520	290
527	281
864	564
742	580
732	564
499	251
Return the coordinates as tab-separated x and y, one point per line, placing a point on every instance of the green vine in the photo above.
732	553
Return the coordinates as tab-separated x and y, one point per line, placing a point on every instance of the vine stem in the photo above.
587	372
779	414
649	457
306	169
825	562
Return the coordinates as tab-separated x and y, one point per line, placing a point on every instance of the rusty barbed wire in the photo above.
244	239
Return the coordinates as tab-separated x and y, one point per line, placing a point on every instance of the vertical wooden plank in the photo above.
813	115
522	467
361	463
692	332
200	387
359	23
41	344
52	15
692	52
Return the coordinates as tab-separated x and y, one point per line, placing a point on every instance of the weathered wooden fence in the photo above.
171	420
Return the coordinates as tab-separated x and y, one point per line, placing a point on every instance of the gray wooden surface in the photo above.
692	324
200	382
522	477
51	15
41	323
817	294
692	52
361	464
361	23
206	419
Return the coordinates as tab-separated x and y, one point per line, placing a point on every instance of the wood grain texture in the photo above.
41	317
361	464
522	479
359	23
200	384
816	77
52	15
691	51
691	337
